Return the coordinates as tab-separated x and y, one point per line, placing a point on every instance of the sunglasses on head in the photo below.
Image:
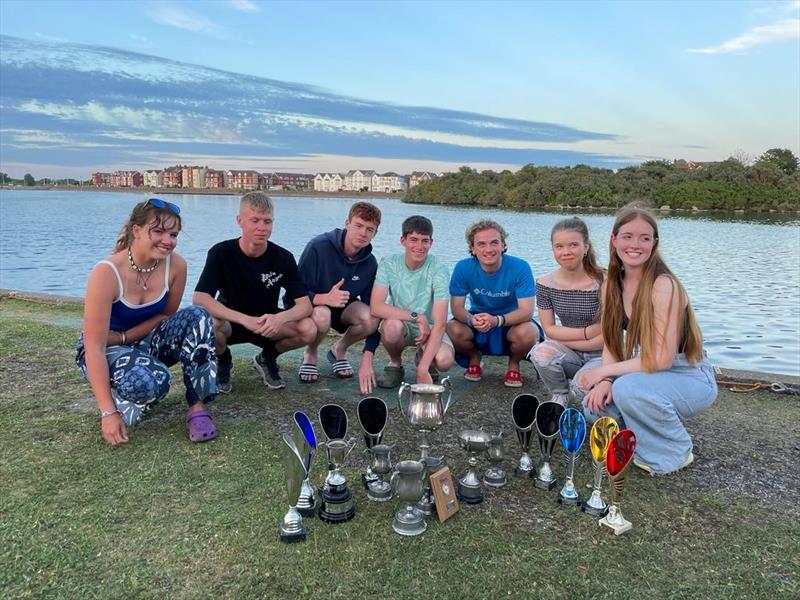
159	203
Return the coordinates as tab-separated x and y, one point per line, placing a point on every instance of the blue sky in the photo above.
329	86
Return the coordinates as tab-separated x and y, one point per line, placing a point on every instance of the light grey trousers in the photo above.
557	364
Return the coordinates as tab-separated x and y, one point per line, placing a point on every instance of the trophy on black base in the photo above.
547	416
305	440
426	412
337	503
603	430
620	454
290	527
469	486
495	476
373	415
572	429
523	413
408	482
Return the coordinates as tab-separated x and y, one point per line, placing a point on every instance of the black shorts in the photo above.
336	319
242	335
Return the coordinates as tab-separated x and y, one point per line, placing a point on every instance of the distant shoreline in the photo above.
202	191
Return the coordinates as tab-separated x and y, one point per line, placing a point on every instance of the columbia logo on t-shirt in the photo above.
270	278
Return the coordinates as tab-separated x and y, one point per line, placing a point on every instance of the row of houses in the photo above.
184	176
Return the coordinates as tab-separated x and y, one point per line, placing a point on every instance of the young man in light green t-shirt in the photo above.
410	296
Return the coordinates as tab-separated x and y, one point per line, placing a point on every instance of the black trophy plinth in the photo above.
337	505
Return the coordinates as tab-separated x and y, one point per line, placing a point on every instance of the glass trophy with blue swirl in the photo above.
290	527
572	430
547	419
337	504
618	459
603	430
305	440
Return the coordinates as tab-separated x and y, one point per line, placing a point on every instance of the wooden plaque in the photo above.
444	494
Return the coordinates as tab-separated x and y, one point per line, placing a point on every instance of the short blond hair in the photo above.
257	201
483	225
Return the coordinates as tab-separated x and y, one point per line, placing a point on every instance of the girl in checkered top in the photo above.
571	293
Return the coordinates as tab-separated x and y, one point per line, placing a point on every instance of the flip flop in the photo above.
200	427
341	368
309	371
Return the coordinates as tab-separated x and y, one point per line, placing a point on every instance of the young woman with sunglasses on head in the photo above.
571	293
652	374
133	330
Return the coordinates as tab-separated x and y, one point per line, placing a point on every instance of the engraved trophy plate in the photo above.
618	459
572	430
523	414
547	417
603	430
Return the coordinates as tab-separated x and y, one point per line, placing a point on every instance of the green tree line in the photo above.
771	182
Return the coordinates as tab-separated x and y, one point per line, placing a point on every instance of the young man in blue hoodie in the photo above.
339	269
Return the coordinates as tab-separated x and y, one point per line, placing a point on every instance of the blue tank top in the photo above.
125	315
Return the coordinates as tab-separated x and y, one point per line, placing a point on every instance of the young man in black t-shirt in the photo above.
240	286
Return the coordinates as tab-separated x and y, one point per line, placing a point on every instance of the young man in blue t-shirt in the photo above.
501	292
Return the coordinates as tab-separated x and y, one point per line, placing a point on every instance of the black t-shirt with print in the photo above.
250	285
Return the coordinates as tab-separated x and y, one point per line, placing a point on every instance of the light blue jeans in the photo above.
654	405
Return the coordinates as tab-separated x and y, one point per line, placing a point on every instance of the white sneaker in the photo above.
559	399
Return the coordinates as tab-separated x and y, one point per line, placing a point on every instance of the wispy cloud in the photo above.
781	31
244	5
180	18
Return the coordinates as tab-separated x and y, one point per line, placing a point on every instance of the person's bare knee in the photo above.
222	333
321	316
393	332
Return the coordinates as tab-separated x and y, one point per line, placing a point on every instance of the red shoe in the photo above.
513	379
473	373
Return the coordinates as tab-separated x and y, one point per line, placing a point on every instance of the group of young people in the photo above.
623	342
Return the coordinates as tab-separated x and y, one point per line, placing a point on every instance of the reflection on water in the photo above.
741	271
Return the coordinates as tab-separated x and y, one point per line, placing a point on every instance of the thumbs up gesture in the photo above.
337	297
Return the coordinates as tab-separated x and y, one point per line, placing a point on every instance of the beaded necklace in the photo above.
142	273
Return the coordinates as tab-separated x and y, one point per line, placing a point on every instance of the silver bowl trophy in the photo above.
290	527
425	412
495	476
547	416
572	429
523	414
408	481
379	490
618	459
305	440
469	487
373	414
603	430
337	503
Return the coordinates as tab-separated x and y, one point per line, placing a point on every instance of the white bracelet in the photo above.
108	413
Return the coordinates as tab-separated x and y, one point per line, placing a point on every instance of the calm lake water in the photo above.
742	273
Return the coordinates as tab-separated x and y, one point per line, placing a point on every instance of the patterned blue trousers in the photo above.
139	372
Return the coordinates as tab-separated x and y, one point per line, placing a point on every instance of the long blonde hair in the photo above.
641	330
142	214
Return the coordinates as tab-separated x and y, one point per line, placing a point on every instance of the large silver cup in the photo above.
426	412
305	440
373	414
547	416
523	414
469	487
290	527
495	476
572	429
408	483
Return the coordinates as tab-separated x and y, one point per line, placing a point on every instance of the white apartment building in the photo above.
388	182
356	181
152	178
328	182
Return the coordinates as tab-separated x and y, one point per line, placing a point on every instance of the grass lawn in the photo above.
161	517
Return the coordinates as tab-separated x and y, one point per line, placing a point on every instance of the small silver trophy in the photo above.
290	527
495	476
379	490
305	440
426	412
337	504
547	416
373	414
572	429
523	414
603	430
469	486
408	483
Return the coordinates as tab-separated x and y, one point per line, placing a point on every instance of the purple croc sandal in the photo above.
200	427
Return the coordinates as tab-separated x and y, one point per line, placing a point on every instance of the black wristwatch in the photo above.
414	316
